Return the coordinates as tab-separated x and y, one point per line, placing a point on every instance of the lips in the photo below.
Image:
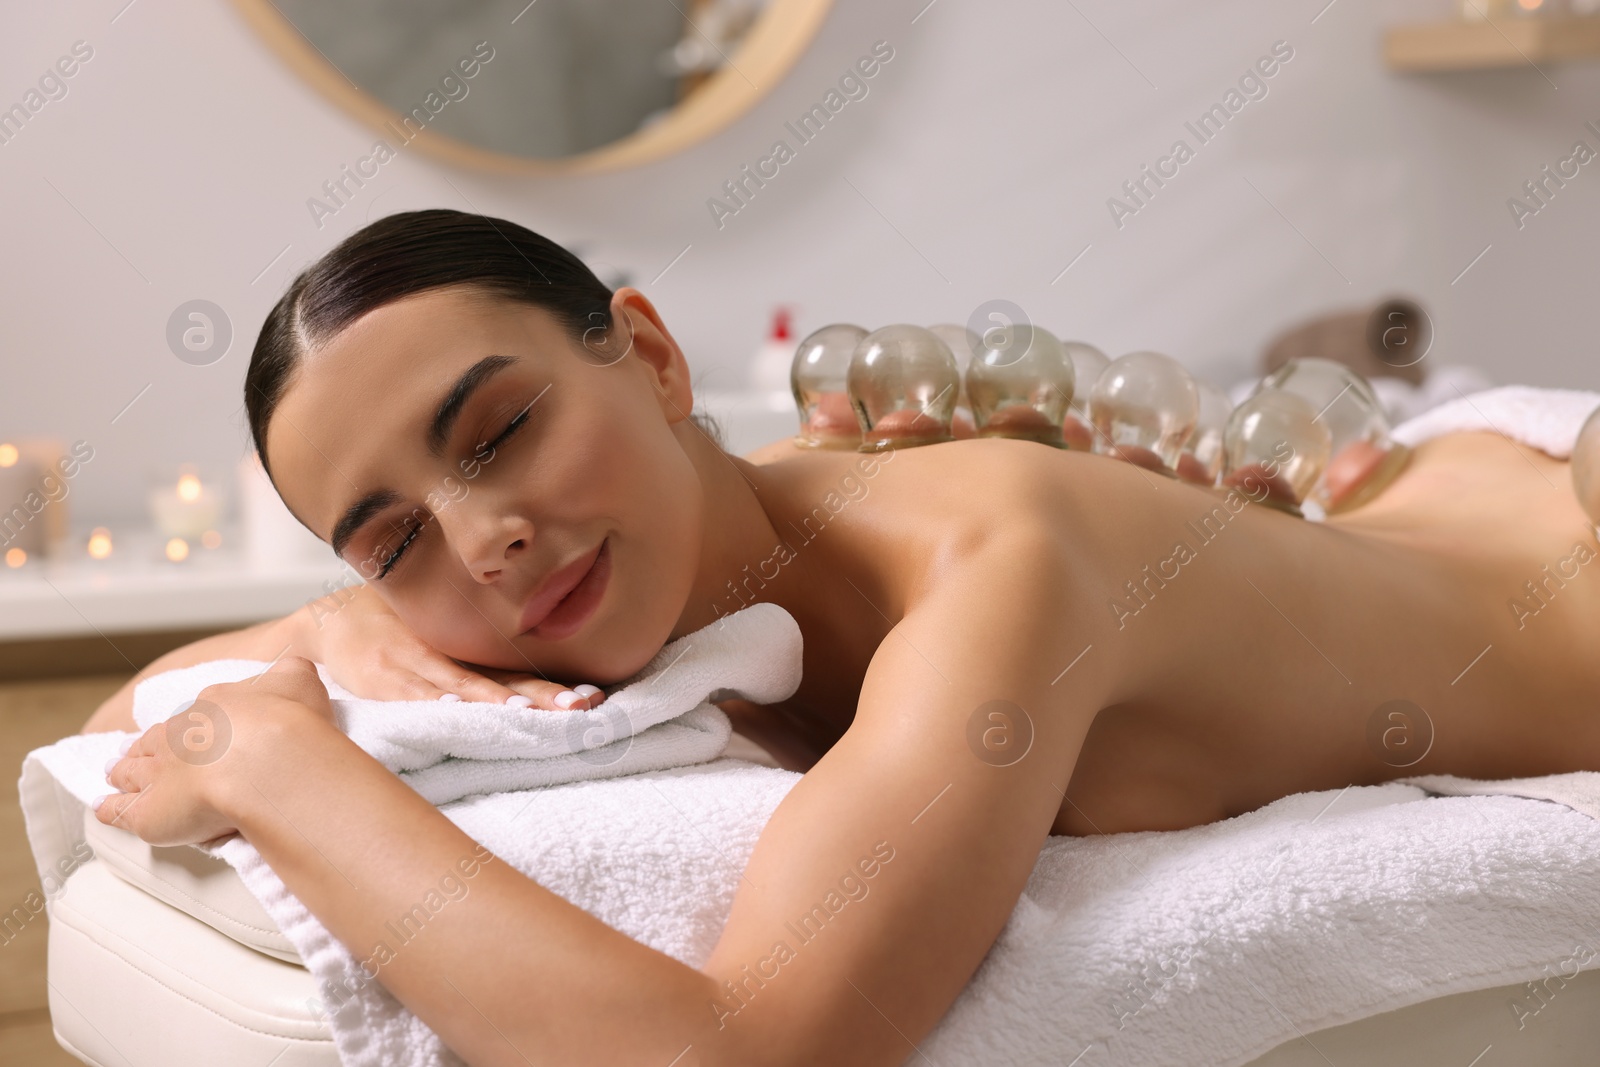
566	599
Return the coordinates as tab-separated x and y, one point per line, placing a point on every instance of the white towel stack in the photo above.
663	717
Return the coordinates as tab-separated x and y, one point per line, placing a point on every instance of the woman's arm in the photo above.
965	739
505	971
265	641
874	892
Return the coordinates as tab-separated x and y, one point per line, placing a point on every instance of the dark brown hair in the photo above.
408	253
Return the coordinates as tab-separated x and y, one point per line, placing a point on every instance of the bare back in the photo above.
1272	655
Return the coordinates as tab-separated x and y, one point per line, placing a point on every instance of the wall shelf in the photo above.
1513	42
138	591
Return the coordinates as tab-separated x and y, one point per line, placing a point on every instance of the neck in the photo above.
740	554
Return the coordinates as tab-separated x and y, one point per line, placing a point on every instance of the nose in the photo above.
486	542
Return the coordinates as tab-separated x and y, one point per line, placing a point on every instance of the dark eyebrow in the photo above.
358	515
444	419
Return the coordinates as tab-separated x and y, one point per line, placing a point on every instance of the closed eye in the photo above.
504	435
484	453
394	557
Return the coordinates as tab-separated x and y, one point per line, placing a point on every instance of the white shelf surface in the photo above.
751	420
213	588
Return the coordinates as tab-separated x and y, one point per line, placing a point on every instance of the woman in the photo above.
1001	641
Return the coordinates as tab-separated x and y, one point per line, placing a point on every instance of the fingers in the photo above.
129	773
129	770
556	697
113	808
416	687
552	696
138	744
432	676
466	685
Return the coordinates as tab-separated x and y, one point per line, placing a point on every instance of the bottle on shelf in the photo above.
769	370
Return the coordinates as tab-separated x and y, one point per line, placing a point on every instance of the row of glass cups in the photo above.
1313	430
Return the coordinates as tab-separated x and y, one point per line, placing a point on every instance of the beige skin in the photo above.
954	575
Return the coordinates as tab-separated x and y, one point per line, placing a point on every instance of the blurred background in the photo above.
167	167
180	162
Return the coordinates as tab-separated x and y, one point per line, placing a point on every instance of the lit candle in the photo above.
21	500
177	550
187	509
99	543
15	557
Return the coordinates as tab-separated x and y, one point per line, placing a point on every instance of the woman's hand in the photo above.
371	652
176	779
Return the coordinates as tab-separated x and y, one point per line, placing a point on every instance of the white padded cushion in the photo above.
191	881
133	981
211	891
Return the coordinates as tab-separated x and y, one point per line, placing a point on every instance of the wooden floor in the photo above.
32	714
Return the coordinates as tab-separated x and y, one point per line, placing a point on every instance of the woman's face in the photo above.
518	499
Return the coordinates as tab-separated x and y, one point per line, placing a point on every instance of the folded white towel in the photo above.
1445	382
1546	419
1167	949
663	717
1579	790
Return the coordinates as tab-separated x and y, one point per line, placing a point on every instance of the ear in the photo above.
647	338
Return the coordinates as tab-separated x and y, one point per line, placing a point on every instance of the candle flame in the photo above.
177	550
15	557
8	455
188	488
99	543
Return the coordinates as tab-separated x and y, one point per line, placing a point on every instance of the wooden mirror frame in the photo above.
765	55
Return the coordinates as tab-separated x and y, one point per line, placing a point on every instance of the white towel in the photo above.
1579	790
663	717
1546	419
1202	946
1156	949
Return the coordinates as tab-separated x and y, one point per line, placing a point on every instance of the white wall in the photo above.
981	162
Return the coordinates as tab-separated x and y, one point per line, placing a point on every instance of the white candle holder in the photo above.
184	505
33	496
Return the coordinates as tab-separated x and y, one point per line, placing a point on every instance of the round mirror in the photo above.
544	86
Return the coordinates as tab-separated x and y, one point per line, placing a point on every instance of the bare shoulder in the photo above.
999	480
908	518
